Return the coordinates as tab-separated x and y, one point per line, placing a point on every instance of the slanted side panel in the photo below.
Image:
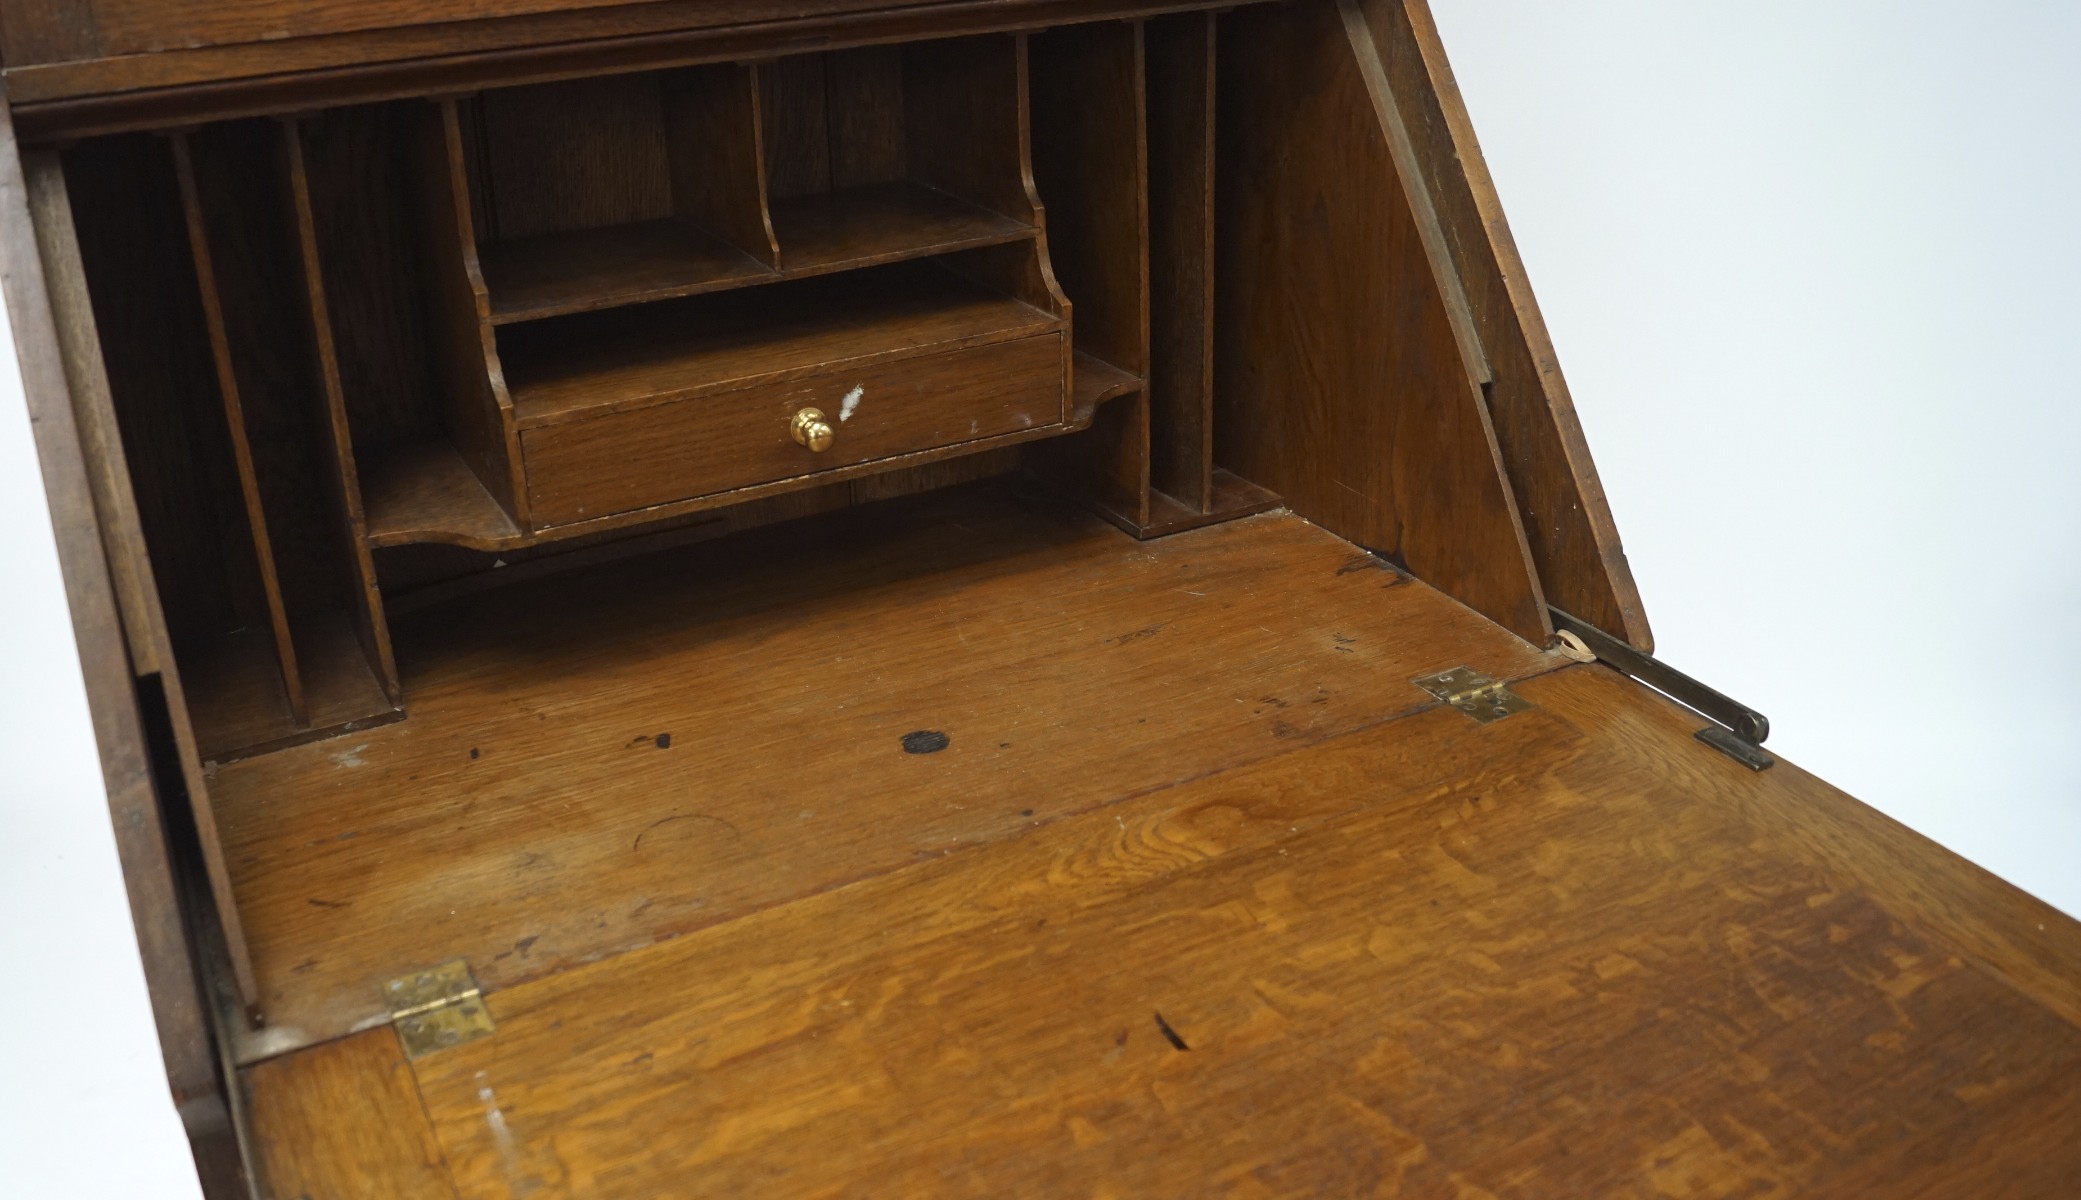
1338	382
105	661
1567	520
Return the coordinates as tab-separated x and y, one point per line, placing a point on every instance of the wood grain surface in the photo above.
137	90
343	1122
602	759
35	223
1568	522
1338	382
596	363
1573	953
1179	99
631	460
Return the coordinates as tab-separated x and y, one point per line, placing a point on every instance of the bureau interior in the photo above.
379	364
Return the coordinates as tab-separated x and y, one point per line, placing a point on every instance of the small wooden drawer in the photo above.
719	442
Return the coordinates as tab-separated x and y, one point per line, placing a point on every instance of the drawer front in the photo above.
723	441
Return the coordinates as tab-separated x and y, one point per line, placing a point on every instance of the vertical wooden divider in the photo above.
715	137
1089	153
235	420
372	629
1123	147
1180	105
477	411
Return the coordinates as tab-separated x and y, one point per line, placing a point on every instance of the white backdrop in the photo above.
1812	272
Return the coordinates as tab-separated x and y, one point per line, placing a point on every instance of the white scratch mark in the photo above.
350	758
280	1039
851	402
501	1135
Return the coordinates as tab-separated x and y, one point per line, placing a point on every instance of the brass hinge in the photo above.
437	1008
1473	693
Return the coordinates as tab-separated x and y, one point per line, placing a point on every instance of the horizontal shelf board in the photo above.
883	223
425	492
1096	381
598	363
589	269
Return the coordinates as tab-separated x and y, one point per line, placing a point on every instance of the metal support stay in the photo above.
1745	728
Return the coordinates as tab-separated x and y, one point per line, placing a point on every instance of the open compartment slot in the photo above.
645	412
189	250
1090	164
1187	488
598	192
1123	136
191	500
434	426
892	152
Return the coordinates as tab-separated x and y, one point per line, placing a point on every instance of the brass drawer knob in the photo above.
811	429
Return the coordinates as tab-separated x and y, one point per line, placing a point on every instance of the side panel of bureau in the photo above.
715	443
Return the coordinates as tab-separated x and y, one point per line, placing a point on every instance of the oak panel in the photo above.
1568	521
602	759
343	1122
1338	382
1572	953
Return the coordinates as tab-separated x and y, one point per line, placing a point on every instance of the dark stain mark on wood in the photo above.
1025	812
664	741
524	944
1120	1038
925	741
473	754
1136	636
1360	562
1170	1035
329	903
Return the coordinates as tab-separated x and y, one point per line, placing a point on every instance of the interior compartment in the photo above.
226	406
596	192
477	371
1124	156
890	152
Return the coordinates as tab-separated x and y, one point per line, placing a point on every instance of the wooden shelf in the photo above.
883	223
597	363
425	492
1095	381
589	269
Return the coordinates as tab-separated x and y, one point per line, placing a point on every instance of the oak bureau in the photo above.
996	597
